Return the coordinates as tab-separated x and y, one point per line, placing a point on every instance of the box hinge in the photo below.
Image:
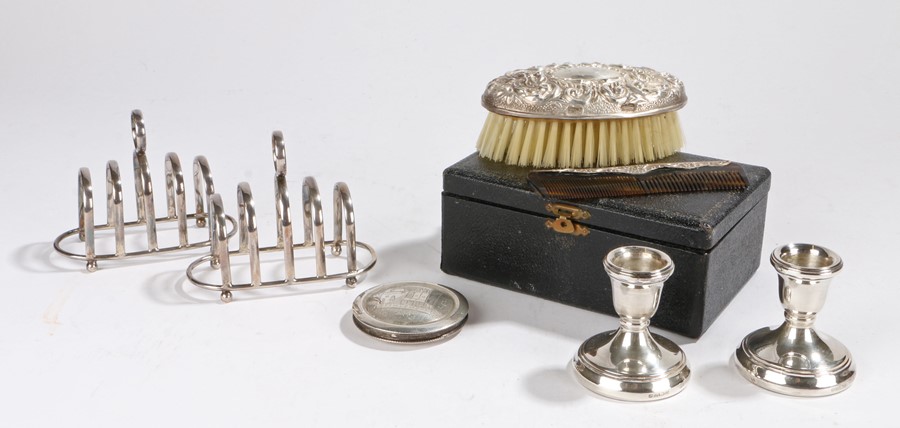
565	214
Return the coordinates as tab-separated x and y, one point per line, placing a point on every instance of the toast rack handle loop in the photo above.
219	242
279	155
203	188
248	231
314	223
176	203
115	211
86	217
285	237
143	187
138	131
343	203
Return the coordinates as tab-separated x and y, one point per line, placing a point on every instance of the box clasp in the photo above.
565	214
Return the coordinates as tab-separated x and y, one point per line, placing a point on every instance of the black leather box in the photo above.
496	231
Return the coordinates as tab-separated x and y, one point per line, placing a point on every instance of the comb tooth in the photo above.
728	179
677	184
660	184
650	185
739	180
663	184
719	181
581	192
627	186
594	187
702	180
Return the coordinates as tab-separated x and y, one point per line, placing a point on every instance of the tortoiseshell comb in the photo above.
638	180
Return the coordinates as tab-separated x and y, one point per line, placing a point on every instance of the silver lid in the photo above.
584	91
410	312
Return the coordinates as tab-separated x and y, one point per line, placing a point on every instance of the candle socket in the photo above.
793	358
631	363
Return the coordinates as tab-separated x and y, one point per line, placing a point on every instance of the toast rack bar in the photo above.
313	235
176	203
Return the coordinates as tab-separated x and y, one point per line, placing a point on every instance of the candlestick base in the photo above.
631	366
795	361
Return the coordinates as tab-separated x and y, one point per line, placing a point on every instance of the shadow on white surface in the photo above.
353	334
554	385
722	379
675	337
169	288
40	257
173	288
417	259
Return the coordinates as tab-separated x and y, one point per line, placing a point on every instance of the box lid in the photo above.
692	220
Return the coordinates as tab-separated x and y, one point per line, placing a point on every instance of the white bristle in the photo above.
579	143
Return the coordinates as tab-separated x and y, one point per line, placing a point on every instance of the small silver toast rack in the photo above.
313	235
146	214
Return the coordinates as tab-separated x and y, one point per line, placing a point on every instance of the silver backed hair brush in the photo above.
581	116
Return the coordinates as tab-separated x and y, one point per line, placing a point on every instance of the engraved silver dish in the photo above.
585	91
793	358
410	312
631	363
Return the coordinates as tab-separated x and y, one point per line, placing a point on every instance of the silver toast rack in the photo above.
313	235
146	215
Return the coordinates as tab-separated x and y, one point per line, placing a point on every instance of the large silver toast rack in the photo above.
313	235
146	215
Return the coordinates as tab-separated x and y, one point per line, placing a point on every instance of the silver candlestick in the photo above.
793	358
631	363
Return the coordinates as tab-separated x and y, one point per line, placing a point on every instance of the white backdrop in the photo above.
384	95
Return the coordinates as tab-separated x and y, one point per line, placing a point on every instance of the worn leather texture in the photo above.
494	232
